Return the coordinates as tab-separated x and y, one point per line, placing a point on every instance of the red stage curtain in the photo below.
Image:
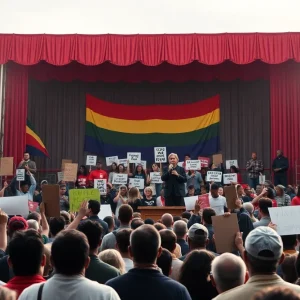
150	50
16	98
284	104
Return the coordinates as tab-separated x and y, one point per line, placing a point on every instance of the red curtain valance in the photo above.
150	50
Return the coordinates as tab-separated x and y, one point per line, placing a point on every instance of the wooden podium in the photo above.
156	212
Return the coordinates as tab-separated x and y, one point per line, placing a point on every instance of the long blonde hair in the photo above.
133	195
113	258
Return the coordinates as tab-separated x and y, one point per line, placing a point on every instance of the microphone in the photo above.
171	167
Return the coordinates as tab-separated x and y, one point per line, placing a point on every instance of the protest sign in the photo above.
136	182
51	200
112	159
155	177
232	162
6	166
70	172
123	161
160	154
286	218
120	178
230	177
262	179
134	157
65	161
231	196
214	176
60	176
105	211
190	202
225	229
77	196
100	184
203	201
17	205
193	165
20	173
204	161
180	163
91	160
143	163
217	159
32	206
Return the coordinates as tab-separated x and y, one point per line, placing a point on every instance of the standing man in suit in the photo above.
174	178
280	167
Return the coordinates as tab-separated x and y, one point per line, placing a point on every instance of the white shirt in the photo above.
128	264
70	288
218	204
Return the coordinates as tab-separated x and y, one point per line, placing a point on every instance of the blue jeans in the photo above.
253	182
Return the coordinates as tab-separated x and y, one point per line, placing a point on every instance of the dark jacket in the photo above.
174	185
280	162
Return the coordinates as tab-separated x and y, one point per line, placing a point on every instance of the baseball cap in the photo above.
261	239
194	231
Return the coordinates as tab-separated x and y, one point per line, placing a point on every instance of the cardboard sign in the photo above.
100	184
6	166
203	201
204	161
32	206
190	202
160	154
287	219
17	205
217	159
105	211
70	172
20	173
225	229
136	182
77	196
91	160
120	178
262	179
214	176
232	162
231	196
60	176
112	159
193	165
134	157
51	200
143	163
155	177
65	161
123	161
230	177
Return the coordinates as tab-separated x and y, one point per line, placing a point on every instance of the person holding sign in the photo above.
155	186
114	167
120	170
97	174
82	177
217	202
141	174
194	178
235	170
27	162
174	178
121	198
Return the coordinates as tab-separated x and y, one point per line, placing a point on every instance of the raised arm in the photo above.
3	226
33	183
3	190
81	214
45	226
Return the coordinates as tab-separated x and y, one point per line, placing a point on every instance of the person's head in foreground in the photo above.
167	220
276	293
197	237
228	272
125	214
113	258
16	224
164	262
123	240
180	229
93	208
168	239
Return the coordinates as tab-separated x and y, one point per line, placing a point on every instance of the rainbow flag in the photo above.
115	129
34	145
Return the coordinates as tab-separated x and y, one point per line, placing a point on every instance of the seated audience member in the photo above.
194	275
27	259
93	211
217	202
7	294
263	212
97	269
191	191
110	223
149	199
228	272
164	262
296	199
288	268
145	280
248	206
290	190
263	252
149	221
207	215
135	223
180	229
289	244
276	293
123	242
56	225
125	217
114	259
159	226
281	197
168	241
167	220
70	258
195	216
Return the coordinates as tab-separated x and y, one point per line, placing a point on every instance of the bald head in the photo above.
180	229
33	224
228	271
167	220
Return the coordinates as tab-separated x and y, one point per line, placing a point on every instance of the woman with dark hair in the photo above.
114	167
156	187
120	170
290	190
195	275
296	199
140	173
234	169
82	177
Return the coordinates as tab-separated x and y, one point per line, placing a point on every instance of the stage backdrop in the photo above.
58	112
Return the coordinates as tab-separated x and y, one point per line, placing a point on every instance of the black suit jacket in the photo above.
174	185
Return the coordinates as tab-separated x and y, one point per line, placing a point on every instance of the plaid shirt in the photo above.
254	167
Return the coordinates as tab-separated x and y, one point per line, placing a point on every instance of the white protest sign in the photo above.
60	176
286	218
100	184
262	179
143	163
160	154
228	178
91	160
105	211
17	205
232	162
136	182
120	178
190	202
123	161
20	173
193	165
134	157
155	177
214	176
112	159
180	163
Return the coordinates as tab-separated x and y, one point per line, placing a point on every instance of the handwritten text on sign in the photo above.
136	182
112	159
204	161
123	161
232	162
120	178
160	154
193	165
143	163
155	177
100	184
20	173
91	160
134	157
77	196
228	178
214	176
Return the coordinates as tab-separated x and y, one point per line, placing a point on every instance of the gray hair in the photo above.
249	207
228	271
180	228
33	224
